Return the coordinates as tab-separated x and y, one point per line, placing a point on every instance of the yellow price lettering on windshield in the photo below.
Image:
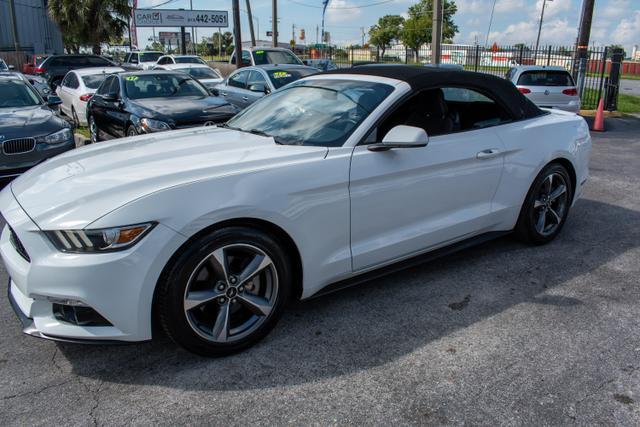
132	78
281	75
259	52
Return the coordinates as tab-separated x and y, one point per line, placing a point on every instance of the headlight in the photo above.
101	240
57	137
151	125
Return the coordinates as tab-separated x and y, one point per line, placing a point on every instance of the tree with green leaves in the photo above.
90	22
388	29
416	30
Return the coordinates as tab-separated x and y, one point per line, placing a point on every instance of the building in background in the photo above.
37	33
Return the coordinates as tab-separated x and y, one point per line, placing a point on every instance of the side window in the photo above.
134	58
114	87
163	61
127	57
104	87
65	81
239	79
73	82
442	111
246	57
256	78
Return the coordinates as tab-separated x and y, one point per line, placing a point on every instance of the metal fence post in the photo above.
352	55
549	56
603	68
475	63
611	103
521	54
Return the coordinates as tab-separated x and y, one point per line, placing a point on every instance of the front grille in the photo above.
18	145
17	245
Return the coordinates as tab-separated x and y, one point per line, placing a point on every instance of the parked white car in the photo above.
206	75
546	86
141	60
180	59
77	87
316	186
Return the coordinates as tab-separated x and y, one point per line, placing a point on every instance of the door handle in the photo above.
488	153
244	98
224	93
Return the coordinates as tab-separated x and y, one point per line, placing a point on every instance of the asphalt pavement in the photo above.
503	333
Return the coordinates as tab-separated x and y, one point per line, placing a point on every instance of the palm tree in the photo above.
90	22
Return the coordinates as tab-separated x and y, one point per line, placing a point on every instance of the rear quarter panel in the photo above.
532	144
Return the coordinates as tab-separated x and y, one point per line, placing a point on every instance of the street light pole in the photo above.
237	39
436	32
253	35
582	45
274	19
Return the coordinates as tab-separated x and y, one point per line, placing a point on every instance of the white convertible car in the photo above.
209	231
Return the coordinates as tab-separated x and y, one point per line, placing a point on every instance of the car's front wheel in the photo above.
546	206
225	291
94	131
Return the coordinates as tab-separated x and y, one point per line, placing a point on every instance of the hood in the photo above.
76	188
29	122
185	110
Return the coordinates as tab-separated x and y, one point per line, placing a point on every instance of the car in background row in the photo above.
206	75
141	60
129	104
546	86
77	87
180	59
30	131
55	67
321	64
34	62
4	66
38	83
246	85
262	56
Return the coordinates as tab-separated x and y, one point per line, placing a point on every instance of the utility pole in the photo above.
253	35
582	45
14	29
237	39
193	35
293	33
362	31
317	30
183	39
544	2
274	21
436	32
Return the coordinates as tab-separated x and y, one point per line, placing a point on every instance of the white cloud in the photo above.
503	6
613	9
337	14
551	9
471	6
557	32
628	30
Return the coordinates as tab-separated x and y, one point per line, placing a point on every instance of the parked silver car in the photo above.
245	86
547	87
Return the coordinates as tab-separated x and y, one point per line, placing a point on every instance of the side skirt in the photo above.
408	263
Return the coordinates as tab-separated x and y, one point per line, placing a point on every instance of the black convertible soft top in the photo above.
420	78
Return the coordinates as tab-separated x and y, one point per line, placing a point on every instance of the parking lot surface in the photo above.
503	333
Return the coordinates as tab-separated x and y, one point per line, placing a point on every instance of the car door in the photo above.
115	116
64	93
255	78
98	104
236	84
408	200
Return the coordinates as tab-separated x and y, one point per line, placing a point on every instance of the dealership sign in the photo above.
180	18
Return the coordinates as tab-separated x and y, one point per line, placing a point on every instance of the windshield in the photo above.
150	56
280	78
201	73
188	60
162	86
312	112
261	57
545	78
15	93
94	81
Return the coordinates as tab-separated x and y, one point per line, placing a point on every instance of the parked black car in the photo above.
55	67
30	132
129	104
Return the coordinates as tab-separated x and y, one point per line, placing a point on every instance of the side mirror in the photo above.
11	67
110	97
259	87
53	100
402	136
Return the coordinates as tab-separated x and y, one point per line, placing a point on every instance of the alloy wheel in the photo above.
93	130
550	204
231	292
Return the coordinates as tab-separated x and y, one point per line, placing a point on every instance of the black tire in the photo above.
195	266
94	131
74	117
542	216
131	131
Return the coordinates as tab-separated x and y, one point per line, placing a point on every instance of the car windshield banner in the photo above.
180	18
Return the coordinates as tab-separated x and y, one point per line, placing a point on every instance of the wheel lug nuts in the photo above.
233	280
241	289
221	287
233	301
222	300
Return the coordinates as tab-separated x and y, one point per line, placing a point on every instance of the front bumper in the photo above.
119	286
12	165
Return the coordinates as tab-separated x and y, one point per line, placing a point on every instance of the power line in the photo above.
345	7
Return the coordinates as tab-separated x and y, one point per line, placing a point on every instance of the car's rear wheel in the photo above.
546	206
94	131
225	291
74	116
131	131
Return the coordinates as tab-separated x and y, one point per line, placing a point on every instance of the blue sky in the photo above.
615	21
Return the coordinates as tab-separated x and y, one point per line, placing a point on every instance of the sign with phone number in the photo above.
180	18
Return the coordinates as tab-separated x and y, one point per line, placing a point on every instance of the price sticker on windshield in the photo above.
132	78
281	75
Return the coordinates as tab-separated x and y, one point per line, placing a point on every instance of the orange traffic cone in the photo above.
598	123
